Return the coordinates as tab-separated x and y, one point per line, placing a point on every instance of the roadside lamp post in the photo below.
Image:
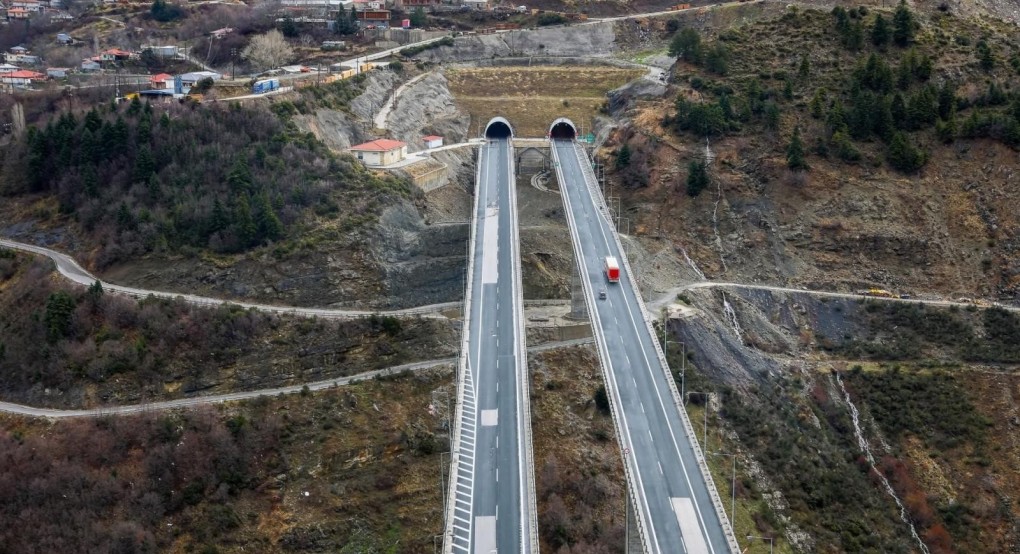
733	486
706	395
683	354
752	537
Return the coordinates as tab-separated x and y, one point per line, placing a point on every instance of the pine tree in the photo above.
418	18
247	232
240	178
125	221
218	220
717	59
903	155
946	128
986	59
788	90
836	118
844	147
92	121
266	222
87	147
623	157
880	32
143	133
903	25
883	125
903	76
898	109
804	70
697	178
686	45
795	152
725	106
841	17
771	116
59	312
95	292
947	100
853	38
818	104
145	165
922	109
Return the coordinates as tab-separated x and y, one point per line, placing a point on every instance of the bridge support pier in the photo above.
578	307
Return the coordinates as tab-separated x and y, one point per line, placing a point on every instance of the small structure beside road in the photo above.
433	141
381	152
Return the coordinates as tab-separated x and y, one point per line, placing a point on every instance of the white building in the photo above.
433	141
380	152
189	79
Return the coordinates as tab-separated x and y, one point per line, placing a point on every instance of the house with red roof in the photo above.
162	81
381	152
115	54
21	78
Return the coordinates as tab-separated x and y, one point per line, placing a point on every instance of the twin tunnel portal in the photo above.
672	504
561	129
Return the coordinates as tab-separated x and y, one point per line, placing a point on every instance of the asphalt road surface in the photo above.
493	464
674	505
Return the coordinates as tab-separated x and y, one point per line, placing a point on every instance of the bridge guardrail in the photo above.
592	182
462	367
600	343
530	535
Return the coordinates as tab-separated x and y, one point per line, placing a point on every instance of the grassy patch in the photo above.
534	97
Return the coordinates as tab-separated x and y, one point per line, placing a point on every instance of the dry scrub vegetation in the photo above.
353	471
578	469
64	346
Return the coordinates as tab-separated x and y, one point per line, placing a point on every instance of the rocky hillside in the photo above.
855	217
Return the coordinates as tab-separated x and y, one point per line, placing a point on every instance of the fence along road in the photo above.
491	506
675	501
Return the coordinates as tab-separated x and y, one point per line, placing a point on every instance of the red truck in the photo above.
612	269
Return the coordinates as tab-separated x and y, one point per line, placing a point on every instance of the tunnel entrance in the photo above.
563	128
498	128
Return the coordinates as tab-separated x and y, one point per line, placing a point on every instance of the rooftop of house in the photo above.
380	145
25	74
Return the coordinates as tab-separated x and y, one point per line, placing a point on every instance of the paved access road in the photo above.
493	499
70	269
672	496
57	413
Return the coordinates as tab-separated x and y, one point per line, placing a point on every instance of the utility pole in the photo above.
233	56
683	358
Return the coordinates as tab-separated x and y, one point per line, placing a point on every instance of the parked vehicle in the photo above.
265	85
612	269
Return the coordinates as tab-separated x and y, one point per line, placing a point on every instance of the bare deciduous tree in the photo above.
267	51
